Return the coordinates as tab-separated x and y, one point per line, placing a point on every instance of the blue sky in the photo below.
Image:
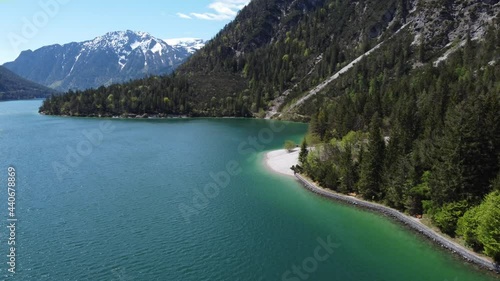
31	24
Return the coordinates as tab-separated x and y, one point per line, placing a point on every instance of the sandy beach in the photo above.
281	160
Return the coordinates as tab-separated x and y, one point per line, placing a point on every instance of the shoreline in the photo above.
275	162
279	161
170	117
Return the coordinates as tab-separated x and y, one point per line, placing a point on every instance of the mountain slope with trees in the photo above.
13	87
426	143
302	43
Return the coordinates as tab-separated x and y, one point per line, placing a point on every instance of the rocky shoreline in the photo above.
406	220
127	116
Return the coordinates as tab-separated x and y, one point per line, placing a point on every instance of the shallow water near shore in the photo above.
187	199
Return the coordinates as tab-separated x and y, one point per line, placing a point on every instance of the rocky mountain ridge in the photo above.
112	58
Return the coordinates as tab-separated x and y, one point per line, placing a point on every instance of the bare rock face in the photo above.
439	23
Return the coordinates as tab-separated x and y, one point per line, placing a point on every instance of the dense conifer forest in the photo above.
423	143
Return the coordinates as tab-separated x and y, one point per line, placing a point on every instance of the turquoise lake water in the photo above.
186	200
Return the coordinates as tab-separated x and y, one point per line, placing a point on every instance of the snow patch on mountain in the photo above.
191	45
123	43
111	58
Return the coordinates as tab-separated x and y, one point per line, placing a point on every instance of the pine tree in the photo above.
348	171
421	49
303	152
370	182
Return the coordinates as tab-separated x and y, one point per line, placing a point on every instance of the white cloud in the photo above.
183	16
222	10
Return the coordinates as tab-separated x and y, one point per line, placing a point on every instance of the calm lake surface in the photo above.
186	200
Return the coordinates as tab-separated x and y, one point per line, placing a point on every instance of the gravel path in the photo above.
408	221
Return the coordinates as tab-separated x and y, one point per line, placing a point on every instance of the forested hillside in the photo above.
13	87
425	143
276	50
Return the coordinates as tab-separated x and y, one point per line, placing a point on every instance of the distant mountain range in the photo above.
112	58
13	87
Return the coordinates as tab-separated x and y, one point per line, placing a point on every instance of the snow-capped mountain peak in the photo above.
191	45
123	42
111	58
